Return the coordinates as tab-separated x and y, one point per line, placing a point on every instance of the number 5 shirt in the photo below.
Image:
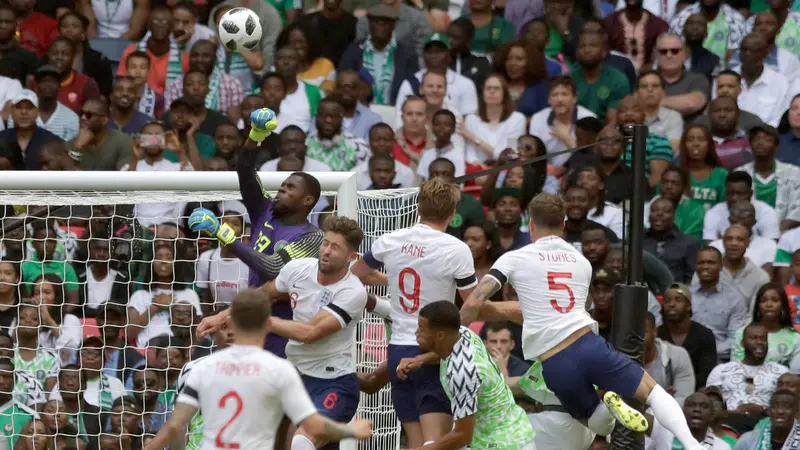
552	281
424	266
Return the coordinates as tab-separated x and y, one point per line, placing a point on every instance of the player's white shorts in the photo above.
559	430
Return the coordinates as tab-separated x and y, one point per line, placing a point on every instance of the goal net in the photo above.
109	232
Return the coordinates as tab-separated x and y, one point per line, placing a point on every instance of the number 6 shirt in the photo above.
424	266
552	280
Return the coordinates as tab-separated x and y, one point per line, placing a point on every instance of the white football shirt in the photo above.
424	266
243	392
346	299
552	281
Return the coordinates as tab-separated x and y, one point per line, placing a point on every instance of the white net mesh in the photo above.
123	266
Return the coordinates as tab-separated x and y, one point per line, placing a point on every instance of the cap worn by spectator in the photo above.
181	102
506	191
47	69
365	75
682	289
26	95
382	11
770	130
92	341
611	277
437	38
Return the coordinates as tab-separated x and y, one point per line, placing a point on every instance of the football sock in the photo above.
601	422
670	415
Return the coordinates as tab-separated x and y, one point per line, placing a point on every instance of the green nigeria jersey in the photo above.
476	387
43	366
13	416
194	436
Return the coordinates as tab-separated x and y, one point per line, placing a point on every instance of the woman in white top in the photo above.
149	310
555	125
607	214
121	19
497	124
219	273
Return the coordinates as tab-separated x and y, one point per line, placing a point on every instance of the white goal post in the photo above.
377	212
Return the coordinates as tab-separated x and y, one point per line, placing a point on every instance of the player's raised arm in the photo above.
262	122
367	269
471	308
332	318
212	324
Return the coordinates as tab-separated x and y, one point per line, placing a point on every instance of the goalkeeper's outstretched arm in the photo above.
268	266
261	138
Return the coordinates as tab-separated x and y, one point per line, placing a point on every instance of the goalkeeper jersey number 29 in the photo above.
476	387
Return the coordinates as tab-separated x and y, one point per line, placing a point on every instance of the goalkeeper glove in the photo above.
204	221
262	122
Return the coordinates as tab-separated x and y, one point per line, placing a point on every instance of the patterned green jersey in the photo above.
13	417
43	366
532	385
194	436
476	387
783	346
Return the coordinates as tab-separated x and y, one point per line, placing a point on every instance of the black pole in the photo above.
630	299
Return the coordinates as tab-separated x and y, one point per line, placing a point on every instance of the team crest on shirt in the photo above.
280	245
326	297
8	428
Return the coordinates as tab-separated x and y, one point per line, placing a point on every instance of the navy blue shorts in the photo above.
422	393
335	398
590	361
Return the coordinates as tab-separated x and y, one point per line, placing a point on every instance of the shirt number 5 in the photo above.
262	243
554	286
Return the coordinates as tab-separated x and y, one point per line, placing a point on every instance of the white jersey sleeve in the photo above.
423	266
552	280
287	275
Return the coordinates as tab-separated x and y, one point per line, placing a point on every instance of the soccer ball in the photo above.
239	29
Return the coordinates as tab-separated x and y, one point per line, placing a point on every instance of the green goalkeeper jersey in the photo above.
476	387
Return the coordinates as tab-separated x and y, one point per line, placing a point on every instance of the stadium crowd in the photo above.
99	305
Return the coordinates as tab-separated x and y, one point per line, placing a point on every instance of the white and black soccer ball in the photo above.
239	29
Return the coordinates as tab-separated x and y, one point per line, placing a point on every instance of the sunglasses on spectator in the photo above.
671	51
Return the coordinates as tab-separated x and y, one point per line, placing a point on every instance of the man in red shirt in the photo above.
36	30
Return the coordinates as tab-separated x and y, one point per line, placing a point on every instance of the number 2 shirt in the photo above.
552	281
424	266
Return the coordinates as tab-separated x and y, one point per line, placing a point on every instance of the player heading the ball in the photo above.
328	302
552	279
423	264
244	391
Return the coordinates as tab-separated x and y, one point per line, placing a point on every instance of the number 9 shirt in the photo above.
423	266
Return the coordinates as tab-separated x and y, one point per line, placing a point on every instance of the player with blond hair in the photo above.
423	264
245	390
552	281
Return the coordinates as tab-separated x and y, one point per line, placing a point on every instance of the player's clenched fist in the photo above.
362	429
204	220
407	365
262	122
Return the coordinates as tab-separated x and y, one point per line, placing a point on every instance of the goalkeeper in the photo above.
280	229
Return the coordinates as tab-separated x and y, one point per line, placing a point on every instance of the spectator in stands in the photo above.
633	31
54	156
100	283
185	29
738	271
293	143
147	387
148	310
97	147
525	73
699	412
660	120
463	61
381	140
337	25
123	115
88	61
507	211
699	158
59	331
687	91
739	186
148	102
600	86
227	142
42	261
789	144
121	360
36	30
715	303
167	62
680	329
500	343
412	138
491	31
443	127
478	238
663	239
771	310
602	292
381	172
224	91
616	60
273	92
537	33
630	111
17	413
411	25
747	385
733	147
357	119
9	292
787	22
469	212
782	413
699	60
53	115
29	356
668	364
18	62
564	28
729	84
761	250
219	274
765	92
196	87
495	125
461	91
775	183
187	125
76	88
577	205
313	68
608	159
337	149
780	60
126	421
300	104
26	134
434	91
603	212
726	26
556	124
403	44
253	102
